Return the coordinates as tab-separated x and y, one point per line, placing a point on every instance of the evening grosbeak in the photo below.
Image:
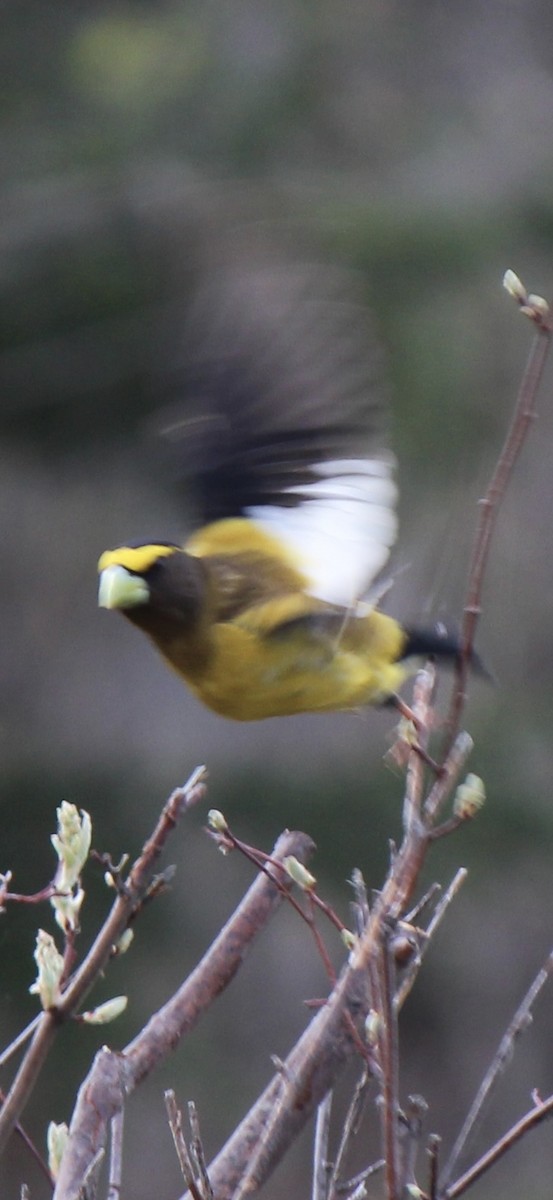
270	606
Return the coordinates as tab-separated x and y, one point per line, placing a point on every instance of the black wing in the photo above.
281	416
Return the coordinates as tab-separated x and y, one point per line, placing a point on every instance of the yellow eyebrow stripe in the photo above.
134	558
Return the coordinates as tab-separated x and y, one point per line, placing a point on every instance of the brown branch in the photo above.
351	1185
116	1157
349	1129
541	1112
33	1150
437	917
523	415
517	1026
433	1149
18	1041
321	1165
114	1076
285	1106
389	1062
412	1129
174	1116
423	690
453	764
312	1066
197	1152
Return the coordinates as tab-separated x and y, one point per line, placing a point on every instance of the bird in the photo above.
271	606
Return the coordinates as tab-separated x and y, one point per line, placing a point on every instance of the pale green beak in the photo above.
118	588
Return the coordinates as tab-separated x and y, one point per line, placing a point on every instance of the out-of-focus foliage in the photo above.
414	142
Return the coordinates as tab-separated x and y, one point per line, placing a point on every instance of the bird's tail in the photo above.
440	642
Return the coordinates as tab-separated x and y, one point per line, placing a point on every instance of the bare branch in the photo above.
174	1116
523	416
389	1063
114	1076
321	1167
19	1041
293	1094
541	1112
116	1157
352	1185
453	764
434	1143
314	1063
197	1152
422	700
437	917
503	1056
349	1130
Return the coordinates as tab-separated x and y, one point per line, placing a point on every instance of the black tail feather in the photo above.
440	642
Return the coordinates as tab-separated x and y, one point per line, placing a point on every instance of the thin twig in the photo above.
321	948
414	913
523	415
197	1152
541	1112
88	1187
18	1041
360	1193
440	790
389	1061
503	1056
116	1157
321	1167
264	862
361	1177
349	1129
447	827
440	911
30	1145
412	1127
360	906
174	1117
434	1143
423	689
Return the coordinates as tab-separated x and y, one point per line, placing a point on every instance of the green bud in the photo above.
125	941
67	909
104	1013
57	1137
538	305
514	286
373	1022
71	843
50	970
217	821
469	797
299	874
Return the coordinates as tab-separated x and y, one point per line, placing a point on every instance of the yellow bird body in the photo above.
261	645
251	676
281	442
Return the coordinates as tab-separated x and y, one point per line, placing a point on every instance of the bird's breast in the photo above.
251	677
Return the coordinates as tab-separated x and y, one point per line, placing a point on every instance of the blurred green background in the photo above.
412	140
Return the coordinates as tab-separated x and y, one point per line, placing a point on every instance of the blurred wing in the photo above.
284	419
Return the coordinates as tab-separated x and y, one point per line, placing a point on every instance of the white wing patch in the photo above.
343	530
